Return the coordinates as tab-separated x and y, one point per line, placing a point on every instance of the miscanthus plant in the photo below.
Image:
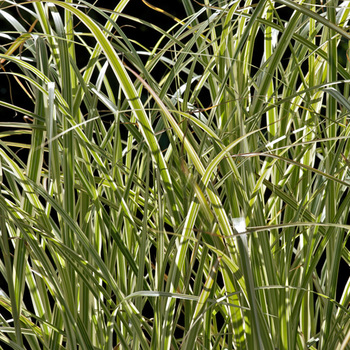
190	195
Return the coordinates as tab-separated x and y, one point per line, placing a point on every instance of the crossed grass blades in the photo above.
189	195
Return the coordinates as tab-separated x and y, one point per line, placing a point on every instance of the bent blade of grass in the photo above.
133	99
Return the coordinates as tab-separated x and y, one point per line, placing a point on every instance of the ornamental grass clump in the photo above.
189	195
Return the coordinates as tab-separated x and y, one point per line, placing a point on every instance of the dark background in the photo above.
9	89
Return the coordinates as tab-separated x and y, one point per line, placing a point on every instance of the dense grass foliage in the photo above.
190	195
